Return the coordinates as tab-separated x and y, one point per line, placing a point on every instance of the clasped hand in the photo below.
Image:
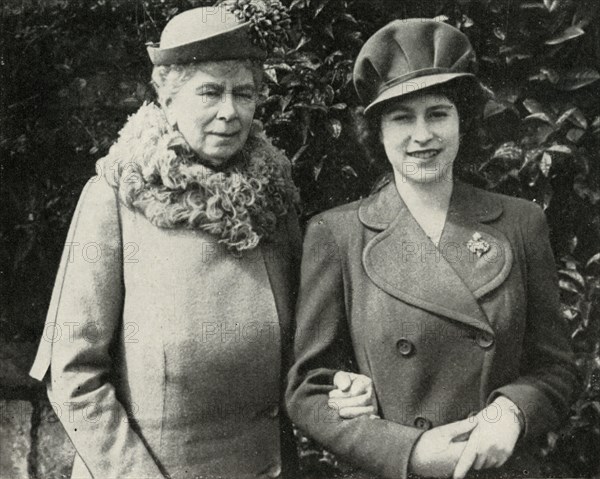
478	442
353	395
492	441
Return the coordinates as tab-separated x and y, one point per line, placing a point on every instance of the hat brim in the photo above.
414	85
234	44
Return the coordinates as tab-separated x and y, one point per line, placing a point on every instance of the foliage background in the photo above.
71	72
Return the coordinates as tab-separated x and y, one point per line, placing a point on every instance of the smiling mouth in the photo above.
225	135
423	154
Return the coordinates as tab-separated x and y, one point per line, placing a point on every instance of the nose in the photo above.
227	108
422	133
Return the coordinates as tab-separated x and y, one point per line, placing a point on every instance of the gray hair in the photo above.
167	80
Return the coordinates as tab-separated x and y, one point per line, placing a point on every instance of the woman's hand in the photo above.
354	395
438	450
493	440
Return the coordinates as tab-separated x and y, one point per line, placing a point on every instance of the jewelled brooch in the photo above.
477	245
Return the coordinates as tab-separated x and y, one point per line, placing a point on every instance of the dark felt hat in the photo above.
410	55
204	34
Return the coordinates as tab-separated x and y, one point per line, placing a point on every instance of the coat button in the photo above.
405	347
422	423
274	471
484	340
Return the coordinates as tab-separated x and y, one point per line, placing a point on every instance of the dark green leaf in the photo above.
499	33
298	154
329	31
569	313
271	74
592	260
493	108
303	41
570	263
578	119
509	151
545	164
596	125
335	127
537	134
575	116
566	35
282	66
298	4
574	275
575	134
577	78
533	106
318	167
546	74
320	5
329	94
348	18
532	6
560	149
568	286
543	117
517	56
349	171
285	101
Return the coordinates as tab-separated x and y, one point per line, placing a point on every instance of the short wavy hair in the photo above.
167	80
469	100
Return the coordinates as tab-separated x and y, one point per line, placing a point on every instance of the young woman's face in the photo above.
213	111
420	136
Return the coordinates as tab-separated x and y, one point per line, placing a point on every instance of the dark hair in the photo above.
468	95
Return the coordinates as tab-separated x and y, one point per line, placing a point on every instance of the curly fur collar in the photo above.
157	174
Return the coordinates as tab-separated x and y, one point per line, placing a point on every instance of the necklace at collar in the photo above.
157	174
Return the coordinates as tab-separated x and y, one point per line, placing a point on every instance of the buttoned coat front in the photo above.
140	323
441	331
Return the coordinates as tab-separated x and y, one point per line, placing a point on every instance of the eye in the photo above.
438	114
401	117
209	93
245	96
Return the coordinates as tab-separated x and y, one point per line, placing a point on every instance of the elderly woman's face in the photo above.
214	109
420	136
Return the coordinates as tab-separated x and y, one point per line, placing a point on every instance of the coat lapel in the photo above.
471	210
447	280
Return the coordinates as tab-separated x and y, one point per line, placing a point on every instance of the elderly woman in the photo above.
443	294
173	303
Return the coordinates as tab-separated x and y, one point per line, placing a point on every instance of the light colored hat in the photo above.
409	55
204	34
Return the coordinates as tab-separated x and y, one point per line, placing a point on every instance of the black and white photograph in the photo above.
299	239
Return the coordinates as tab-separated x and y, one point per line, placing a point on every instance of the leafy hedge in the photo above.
72	71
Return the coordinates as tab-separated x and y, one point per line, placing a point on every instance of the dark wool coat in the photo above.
139	370
441	331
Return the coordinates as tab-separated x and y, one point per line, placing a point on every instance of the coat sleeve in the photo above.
323	346
74	355
549	381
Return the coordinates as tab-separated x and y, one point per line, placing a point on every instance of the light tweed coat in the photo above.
147	335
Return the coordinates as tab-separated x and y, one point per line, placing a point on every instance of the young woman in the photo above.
443	294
